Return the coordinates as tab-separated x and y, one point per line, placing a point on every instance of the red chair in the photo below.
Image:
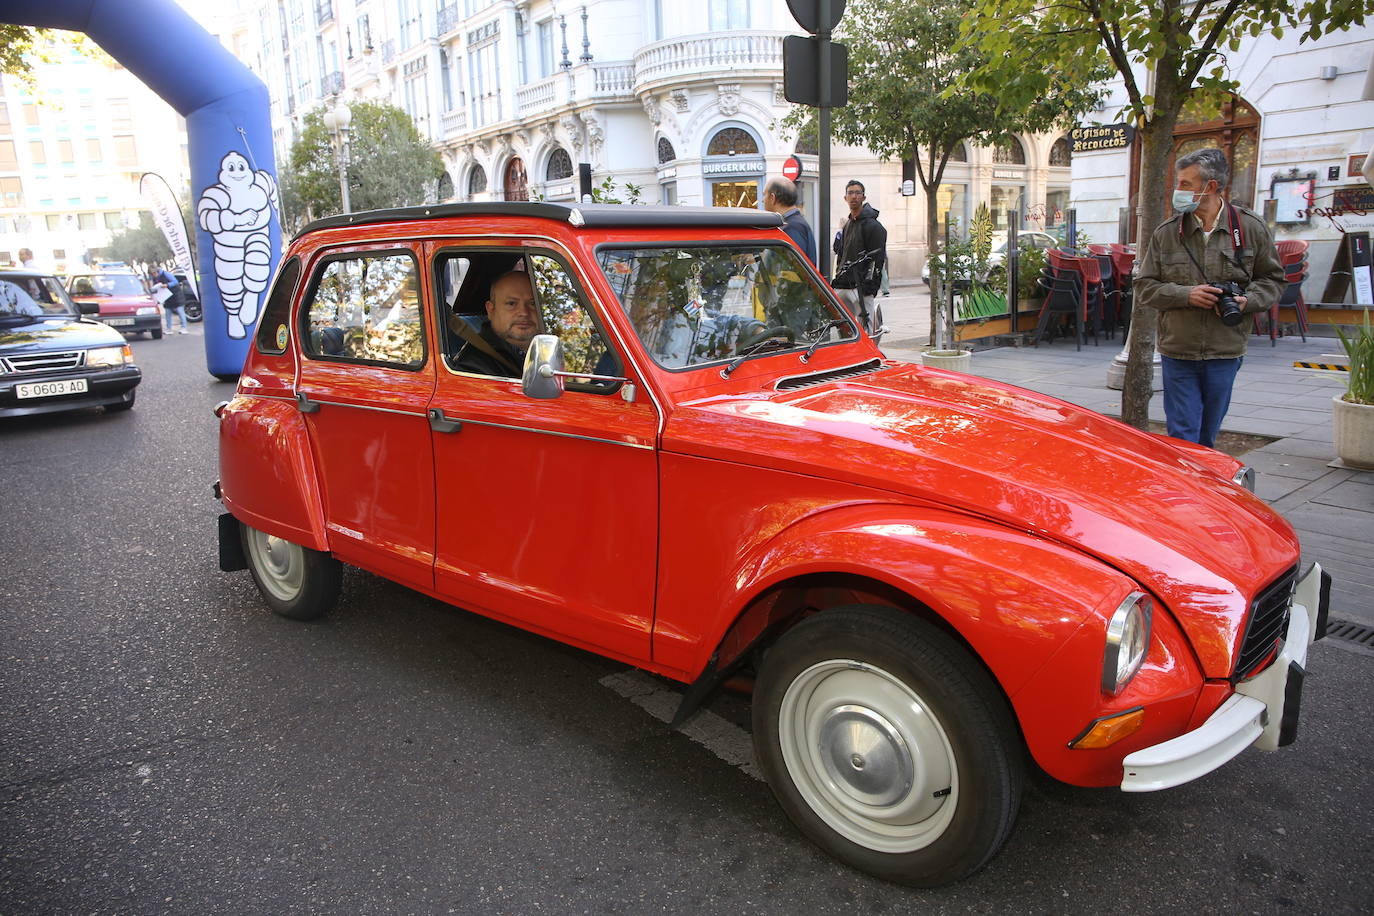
1293	256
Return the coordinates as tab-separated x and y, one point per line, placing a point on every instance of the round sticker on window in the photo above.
281	337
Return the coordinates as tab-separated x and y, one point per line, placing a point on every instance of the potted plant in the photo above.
1352	420
955	267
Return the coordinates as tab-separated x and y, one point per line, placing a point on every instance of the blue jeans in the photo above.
1197	393
179	311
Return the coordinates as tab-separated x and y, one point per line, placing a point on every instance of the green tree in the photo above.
389	165
142	244
22	46
1164	51
906	68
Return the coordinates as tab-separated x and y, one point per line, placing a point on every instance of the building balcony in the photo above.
540	96
331	84
324	12
388	51
720	57
448	20
453	123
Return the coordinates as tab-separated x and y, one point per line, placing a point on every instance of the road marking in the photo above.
725	739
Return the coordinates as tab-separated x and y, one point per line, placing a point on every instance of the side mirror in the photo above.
543	375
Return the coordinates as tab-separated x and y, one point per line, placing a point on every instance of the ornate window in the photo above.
732	141
1061	156
959	153
1009	153
477	180
560	166
666	153
445	189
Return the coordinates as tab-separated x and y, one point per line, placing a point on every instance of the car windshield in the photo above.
700	304
33	296
107	285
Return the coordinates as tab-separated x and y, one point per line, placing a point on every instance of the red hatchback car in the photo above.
702	467
118	298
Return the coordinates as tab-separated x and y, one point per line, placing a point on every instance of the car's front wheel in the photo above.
295	581
888	744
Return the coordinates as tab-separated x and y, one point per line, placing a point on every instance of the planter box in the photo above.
1352	433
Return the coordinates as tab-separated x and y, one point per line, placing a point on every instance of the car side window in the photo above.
567	315
366	307
272	329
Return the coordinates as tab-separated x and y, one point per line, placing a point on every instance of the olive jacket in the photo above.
1166	273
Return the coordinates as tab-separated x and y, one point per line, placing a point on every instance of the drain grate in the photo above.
1345	630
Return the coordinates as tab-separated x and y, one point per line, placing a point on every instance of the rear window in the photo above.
108	285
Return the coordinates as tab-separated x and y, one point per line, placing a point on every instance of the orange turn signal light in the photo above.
1108	730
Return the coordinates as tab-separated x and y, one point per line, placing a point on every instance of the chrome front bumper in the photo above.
1262	712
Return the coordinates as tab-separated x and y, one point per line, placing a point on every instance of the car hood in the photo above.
1202	544
52	332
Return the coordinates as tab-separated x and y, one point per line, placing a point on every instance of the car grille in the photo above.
820	378
43	362
1266	627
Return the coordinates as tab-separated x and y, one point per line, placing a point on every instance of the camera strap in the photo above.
1237	241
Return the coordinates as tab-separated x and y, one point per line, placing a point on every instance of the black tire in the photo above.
295	581
921	798
156	335
194	312
120	406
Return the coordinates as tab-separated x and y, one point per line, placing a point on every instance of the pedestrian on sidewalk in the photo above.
1204	323
780	196
861	253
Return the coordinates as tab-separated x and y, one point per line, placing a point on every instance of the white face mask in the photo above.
1185	201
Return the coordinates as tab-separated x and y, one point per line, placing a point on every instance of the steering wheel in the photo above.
760	334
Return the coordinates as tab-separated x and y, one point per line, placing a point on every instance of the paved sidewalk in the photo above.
1331	508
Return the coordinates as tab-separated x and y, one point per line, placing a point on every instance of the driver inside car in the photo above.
512	321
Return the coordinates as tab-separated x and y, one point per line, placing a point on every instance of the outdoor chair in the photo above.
1063	296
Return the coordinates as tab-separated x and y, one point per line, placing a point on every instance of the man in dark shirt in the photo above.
862	252
512	321
780	196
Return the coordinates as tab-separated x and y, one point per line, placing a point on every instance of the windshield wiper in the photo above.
753	349
823	336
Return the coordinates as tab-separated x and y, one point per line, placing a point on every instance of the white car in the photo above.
1024	240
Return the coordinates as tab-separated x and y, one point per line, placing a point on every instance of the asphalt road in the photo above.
169	746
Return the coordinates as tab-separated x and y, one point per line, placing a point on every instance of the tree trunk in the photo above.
1156	138
933	246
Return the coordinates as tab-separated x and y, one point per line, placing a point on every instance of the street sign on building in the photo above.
792	168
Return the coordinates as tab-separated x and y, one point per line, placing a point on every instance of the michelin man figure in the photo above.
237	213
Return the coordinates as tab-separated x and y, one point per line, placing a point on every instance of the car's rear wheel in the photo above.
157	335
295	581
193	311
888	745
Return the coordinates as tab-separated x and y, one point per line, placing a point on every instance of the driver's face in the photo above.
512	312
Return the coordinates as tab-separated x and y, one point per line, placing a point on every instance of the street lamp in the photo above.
336	121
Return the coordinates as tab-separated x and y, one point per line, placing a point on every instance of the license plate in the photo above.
118	322
51	389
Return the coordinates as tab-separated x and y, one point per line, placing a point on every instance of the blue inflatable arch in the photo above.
228	123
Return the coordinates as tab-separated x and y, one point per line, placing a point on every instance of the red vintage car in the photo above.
700	465
117	297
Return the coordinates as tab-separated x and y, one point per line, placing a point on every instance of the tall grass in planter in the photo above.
1352	417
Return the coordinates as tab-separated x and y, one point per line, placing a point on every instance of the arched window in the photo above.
732	141
666	153
445	189
1061	155
1009	153
959	153
560	166
1233	128
516	183
477	180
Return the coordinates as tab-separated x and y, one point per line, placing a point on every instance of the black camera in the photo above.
1227	307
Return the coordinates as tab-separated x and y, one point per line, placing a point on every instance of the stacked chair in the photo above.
1073	286
1293	257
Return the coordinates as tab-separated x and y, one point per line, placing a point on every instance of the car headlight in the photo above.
146	310
109	356
1128	639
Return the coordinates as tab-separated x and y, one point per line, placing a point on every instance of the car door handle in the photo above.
442	424
305	405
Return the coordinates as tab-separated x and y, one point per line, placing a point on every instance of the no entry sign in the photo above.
792	168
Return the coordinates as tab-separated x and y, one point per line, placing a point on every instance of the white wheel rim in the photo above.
868	756
280	564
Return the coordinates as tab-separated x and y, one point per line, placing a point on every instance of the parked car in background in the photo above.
933	582
194	310
1025	240
119	298
53	359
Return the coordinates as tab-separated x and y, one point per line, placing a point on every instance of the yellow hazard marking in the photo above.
1331	367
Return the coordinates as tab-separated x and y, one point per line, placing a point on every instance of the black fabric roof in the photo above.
594	215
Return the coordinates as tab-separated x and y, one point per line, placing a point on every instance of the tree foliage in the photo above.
908	95
22	46
389	165
141	244
1164	51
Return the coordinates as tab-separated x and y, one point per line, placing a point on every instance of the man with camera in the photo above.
1206	271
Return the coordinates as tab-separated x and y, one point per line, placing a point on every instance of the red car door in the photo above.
547	509
366	377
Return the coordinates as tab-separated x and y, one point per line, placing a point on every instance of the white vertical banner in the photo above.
167	215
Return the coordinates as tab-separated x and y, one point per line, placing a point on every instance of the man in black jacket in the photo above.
861	252
511	323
